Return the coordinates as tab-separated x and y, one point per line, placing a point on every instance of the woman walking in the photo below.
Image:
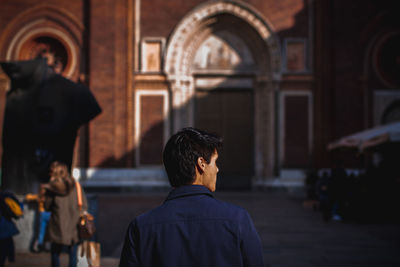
60	196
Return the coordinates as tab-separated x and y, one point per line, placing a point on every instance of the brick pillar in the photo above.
109	82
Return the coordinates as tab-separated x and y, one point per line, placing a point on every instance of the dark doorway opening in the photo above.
229	112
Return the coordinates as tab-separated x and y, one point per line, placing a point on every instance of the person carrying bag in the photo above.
60	198
88	253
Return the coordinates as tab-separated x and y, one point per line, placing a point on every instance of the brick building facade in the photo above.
278	79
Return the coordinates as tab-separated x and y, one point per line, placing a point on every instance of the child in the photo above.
57	185
44	217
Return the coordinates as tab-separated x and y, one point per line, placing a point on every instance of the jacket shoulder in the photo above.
230	209
206	208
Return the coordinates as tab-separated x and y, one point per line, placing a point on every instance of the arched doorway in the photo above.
224	69
223	66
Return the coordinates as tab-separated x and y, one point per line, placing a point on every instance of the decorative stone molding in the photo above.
176	62
37	29
52	12
138	123
100	177
44	20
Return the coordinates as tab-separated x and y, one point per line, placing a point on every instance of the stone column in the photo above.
259	140
189	90
266	144
182	94
176	96
274	85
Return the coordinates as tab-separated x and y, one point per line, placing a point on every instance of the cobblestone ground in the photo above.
293	234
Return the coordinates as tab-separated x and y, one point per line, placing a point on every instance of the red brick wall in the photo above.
108	81
283	15
159	17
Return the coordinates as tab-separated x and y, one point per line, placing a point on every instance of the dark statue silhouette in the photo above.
43	113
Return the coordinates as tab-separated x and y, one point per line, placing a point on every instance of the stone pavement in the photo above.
292	234
43	260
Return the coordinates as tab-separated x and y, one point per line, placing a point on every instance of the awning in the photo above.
370	137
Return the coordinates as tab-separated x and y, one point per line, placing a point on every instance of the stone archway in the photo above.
220	19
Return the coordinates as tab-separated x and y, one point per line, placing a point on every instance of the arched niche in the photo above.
379	81
44	27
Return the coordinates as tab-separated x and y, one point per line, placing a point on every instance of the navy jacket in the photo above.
192	228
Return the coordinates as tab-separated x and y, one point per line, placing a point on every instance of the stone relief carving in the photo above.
223	51
176	48
151	55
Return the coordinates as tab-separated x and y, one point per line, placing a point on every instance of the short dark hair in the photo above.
182	151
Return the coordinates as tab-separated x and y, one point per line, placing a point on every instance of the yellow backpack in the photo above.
10	206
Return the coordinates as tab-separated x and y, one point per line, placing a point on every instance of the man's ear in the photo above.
200	164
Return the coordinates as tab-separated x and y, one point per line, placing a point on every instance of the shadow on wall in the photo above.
216	111
224	104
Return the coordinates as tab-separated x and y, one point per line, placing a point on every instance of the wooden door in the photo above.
230	114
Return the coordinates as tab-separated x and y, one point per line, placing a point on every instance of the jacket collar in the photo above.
188	190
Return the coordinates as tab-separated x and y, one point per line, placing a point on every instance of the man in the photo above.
192	228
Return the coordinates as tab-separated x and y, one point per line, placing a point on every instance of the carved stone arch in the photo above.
203	15
234	26
57	26
244	21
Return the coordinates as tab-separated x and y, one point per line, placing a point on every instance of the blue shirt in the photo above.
192	228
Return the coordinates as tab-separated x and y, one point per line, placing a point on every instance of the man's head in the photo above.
191	153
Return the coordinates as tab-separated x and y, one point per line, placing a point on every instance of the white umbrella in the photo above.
370	137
